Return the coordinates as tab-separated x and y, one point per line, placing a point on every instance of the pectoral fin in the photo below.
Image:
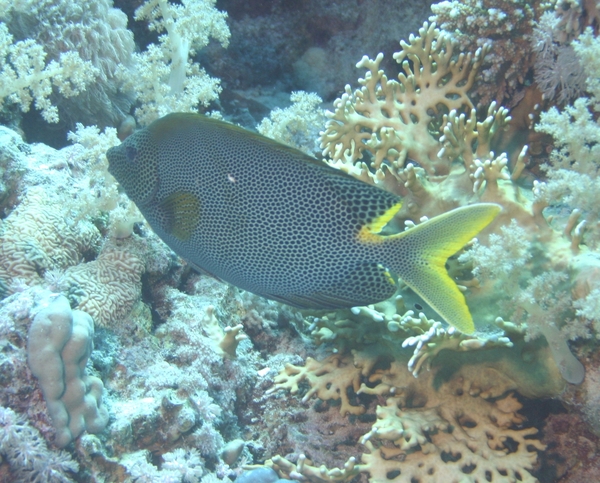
181	213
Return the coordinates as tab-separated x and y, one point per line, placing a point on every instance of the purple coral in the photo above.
29	458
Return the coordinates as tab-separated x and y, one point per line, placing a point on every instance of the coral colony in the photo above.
121	363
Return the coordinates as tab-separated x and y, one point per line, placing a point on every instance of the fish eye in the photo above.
131	153
418	307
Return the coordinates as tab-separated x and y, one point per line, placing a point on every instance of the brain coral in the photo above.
37	237
108	287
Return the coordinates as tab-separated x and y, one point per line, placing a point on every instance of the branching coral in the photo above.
396	120
91	29
27	79
504	26
165	79
427	428
296	125
328	380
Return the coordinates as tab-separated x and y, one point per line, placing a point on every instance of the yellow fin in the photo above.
426	248
182	213
369	233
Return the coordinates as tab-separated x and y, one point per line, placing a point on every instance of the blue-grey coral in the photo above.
60	341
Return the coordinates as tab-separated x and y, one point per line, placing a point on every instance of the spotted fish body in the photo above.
276	222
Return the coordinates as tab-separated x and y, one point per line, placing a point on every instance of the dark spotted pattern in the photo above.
276	222
273	220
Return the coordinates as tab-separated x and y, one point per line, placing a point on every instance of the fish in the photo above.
276	222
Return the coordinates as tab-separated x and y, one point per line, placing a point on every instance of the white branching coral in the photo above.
573	169
297	125
503	258
165	78
27	79
98	33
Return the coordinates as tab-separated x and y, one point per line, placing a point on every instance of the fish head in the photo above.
134	164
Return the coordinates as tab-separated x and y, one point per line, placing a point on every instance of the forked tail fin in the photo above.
424	251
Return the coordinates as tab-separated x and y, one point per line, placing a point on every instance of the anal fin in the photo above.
363	284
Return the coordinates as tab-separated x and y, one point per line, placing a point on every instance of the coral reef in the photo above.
95	32
196	373
367	121
425	428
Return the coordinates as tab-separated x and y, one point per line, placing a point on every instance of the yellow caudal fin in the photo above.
423	251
